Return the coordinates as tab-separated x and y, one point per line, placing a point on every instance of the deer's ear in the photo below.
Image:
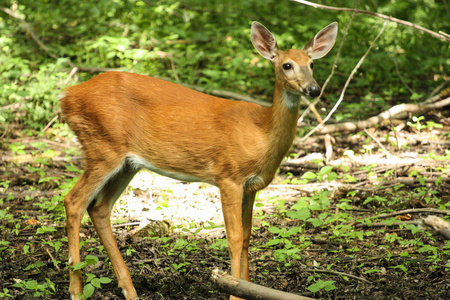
322	42
264	41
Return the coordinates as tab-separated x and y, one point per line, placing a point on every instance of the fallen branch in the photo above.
249	290
440	35
390	113
439	225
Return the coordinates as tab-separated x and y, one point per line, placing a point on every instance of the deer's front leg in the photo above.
231	198
247	209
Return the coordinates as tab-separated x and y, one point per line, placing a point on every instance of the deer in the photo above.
126	122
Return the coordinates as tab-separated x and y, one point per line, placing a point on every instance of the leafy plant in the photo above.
327	285
44	289
416	123
92	281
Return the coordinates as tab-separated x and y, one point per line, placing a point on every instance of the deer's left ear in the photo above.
322	42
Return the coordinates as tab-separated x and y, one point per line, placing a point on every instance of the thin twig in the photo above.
412	211
374	139
382	224
52	258
50	123
320	126
337	273
438	89
172	64
71	74
28	29
400	76
338	53
440	35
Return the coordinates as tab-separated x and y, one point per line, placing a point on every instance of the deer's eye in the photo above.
311	65
287	66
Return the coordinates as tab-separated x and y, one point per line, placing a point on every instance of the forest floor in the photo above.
172	237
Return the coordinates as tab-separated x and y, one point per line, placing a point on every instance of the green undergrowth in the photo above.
324	232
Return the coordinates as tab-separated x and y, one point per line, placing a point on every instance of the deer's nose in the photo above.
313	91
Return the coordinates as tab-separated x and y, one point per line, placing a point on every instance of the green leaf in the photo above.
79	266
414	229
57	246
326	170
333	176
274	229
372	271
96	282
105	280
72	168
273	242
301	203
90	277
88	290
91	259
349	178
211	73
315	222
292	231
401	267
320	284
50	284
309	175
301	214
45	229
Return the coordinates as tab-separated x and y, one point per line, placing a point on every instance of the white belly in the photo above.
139	163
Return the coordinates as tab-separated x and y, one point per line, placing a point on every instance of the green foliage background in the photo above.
208	44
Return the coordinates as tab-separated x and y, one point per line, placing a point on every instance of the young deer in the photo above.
126	122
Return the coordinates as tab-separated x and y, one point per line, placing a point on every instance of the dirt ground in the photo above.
162	269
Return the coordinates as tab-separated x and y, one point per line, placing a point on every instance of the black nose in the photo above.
313	91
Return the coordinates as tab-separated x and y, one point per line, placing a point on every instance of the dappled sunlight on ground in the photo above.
151	197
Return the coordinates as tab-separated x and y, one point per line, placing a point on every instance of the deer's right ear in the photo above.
264	41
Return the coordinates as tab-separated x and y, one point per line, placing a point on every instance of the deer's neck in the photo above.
283	116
